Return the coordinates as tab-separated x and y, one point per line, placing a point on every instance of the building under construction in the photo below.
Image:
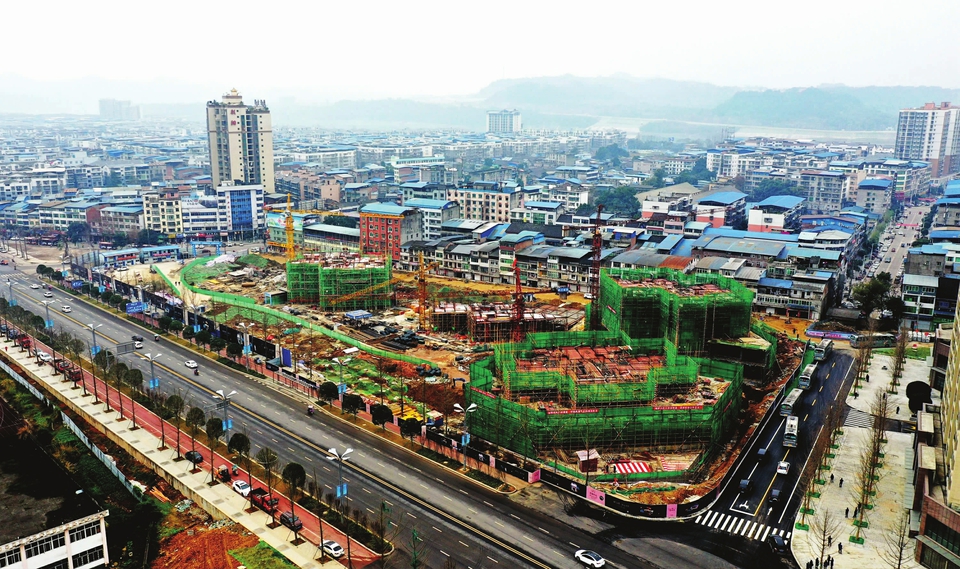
341	281
644	385
492	322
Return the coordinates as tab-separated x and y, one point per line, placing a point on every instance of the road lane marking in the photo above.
411	515
365	490
543	530
492	559
805	417
444	552
499	524
527	537
463	544
436	528
574	544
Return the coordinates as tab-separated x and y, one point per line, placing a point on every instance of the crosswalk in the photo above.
740	526
857	418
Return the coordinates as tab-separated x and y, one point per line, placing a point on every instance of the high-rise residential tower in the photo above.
503	121
241	142
931	133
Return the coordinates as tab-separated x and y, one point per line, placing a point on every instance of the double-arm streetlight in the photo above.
341	363
342	490
225	402
465	440
246	341
13	301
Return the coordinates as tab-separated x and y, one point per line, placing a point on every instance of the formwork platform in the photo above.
324	279
492	322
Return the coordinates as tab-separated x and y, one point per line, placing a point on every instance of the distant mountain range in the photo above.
546	102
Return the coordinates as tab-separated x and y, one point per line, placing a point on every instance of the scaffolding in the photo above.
690	310
661	377
323	279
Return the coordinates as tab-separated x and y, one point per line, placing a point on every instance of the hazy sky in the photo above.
354	48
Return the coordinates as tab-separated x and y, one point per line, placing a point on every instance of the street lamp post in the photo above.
13	301
342	491
48	323
246	341
225	403
465	440
94	350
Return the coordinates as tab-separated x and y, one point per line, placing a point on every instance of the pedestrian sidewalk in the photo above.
839	495
219	499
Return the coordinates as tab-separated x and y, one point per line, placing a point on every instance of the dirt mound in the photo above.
203	548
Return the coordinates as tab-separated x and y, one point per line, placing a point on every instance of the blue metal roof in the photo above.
775	283
947	201
543	204
875	183
785	202
802	252
429	204
944	234
740	234
384	209
723	198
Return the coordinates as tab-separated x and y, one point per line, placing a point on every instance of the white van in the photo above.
65	309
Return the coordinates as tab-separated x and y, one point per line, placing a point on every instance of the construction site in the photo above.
340	281
649	401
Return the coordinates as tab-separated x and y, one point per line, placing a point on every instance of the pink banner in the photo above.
671	510
596	496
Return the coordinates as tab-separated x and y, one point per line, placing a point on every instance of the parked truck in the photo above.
264	500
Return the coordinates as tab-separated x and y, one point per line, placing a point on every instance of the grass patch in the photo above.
486	479
437	457
918	353
261	556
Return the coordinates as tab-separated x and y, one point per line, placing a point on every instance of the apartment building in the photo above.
500	122
332	156
424	190
240	209
543	212
162	212
241	142
931	133
875	195
384	227
126	219
911	177
824	190
776	214
487	201
307	186
679	197
721	208
433	213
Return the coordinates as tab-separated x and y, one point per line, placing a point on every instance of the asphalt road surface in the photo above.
457	519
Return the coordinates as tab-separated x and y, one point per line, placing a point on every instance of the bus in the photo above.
790	401
790	432
823	349
105	245
807	376
873	341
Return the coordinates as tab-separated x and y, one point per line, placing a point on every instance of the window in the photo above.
9	557
88	556
61	564
84	531
44	545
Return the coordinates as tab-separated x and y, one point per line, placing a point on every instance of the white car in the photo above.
48	294
589	558
783	467
34	286
137	345
332	548
65	309
241	487
190	364
45	357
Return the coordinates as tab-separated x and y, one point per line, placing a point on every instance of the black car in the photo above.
777	544
291	521
746	485
136	338
193	456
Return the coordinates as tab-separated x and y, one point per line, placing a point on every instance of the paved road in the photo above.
748	520
457	519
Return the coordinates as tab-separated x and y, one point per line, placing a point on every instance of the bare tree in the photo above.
897	546
899	359
863	488
822	530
